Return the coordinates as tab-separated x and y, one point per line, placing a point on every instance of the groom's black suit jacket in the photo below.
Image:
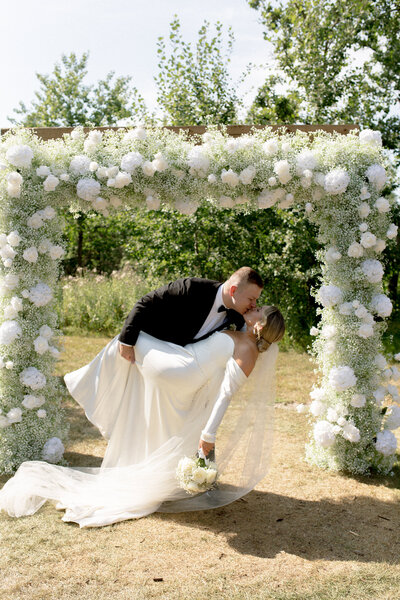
176	312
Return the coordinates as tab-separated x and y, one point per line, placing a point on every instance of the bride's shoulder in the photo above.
245	351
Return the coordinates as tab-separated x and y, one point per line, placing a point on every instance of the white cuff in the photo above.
123	344
207	437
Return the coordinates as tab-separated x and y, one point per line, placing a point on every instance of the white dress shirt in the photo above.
214	318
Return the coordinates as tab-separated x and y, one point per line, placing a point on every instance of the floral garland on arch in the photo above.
337	179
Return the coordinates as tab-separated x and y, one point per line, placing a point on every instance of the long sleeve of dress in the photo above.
233	379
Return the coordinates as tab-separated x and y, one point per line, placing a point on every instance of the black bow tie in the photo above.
222	308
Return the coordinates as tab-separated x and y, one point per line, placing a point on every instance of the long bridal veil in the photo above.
244	457
97	496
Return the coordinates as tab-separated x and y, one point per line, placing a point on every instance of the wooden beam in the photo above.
50	133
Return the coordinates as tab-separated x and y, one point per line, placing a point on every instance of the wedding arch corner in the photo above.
337	179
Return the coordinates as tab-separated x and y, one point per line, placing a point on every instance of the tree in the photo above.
316	43
63	99
271	106
194	86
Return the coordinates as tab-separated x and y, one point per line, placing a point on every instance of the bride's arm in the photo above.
233	379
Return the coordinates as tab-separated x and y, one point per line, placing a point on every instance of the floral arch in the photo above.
337	178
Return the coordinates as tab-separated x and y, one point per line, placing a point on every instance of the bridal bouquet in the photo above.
196	473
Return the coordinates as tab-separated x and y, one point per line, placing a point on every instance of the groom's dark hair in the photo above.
247	275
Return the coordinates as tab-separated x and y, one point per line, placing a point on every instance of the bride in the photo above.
166	405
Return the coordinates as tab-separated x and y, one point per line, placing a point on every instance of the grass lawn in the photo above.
302	534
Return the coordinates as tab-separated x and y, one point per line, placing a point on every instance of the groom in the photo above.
188	310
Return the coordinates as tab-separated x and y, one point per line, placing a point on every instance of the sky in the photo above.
121	36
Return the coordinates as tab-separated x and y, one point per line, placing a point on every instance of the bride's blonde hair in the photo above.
273	327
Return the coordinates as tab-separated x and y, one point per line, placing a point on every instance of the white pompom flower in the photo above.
33	378
14	415
148	168
88	189
329	295
35	221
53	450
282	170
341	378
336	181
324	434
56	252
355	250
40	294
30	254
13	238
373	270
9	332
7	252
153	202
346	308
370	136
376	176
305	161
20	156
351	433
131	161
364	210
392	231
230	178
381	305
365	331
379	246
41	344
226	202
380	361
317	408
386	442
270	147
80	165
160	162
31	401
368	239
50	183
122	179
247	175
317	394
392	417
46	332
382	205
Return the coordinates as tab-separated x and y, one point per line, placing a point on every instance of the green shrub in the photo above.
93	303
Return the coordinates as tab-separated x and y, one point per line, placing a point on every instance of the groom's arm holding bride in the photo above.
187	310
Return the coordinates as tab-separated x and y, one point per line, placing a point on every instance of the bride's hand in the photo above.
205	446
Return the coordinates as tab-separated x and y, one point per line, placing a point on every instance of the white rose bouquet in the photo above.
196	473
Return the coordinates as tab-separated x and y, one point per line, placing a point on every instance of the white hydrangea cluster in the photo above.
41	294
33	378
53	450
341	378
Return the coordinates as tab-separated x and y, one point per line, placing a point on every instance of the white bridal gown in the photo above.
152	413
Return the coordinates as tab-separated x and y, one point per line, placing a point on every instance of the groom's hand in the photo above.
127	352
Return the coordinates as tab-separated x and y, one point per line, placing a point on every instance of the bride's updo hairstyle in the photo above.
273	327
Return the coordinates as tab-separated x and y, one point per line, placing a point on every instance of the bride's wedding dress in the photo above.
153	413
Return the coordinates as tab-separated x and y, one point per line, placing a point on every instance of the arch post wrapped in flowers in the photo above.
338	180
